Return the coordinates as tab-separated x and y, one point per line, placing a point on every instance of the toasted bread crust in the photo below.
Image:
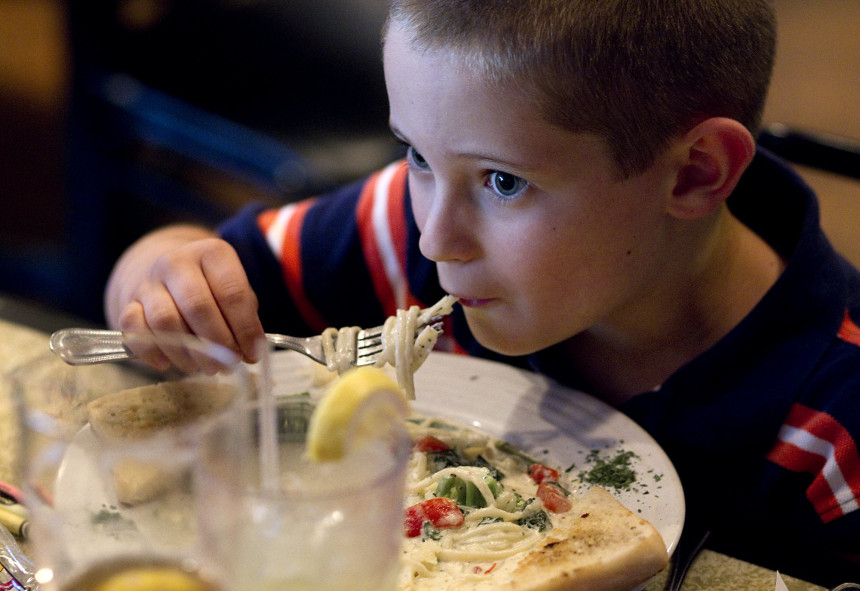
600	546
138	412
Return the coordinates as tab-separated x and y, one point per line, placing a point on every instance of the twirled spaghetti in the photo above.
401	347
499	527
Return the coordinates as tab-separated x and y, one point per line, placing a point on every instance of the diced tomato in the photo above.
539	473
553	497
413	520
441	512
427	443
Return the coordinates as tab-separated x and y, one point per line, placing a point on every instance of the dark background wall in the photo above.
118	116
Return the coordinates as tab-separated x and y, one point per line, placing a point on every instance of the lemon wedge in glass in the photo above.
361	405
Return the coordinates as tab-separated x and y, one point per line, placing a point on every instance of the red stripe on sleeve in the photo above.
849	331
397	223
384	237
803	454
824	426
397	212
819	492
291	265
266	219
370	247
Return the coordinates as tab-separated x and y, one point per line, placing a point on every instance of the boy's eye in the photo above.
416	158
505	184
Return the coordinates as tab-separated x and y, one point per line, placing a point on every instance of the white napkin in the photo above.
780	584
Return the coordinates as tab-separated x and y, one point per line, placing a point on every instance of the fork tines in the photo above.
369	341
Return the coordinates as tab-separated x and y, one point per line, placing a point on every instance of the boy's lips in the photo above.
473	302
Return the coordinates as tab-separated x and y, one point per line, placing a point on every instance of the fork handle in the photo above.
86	346
89	346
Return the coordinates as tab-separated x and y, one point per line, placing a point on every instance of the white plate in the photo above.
555	424
559	425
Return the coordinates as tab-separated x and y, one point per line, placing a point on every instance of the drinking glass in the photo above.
107	453
280	521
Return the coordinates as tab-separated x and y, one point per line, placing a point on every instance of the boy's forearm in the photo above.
136	261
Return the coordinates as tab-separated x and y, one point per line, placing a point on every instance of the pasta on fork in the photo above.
401	348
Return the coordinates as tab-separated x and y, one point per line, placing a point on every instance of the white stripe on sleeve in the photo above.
382	232
831	470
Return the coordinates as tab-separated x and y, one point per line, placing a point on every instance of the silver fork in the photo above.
689	546
87	346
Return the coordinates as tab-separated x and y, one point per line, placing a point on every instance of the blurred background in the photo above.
119	116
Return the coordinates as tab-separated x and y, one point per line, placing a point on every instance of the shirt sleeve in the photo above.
345	258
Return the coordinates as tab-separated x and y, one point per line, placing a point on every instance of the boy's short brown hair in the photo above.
635	72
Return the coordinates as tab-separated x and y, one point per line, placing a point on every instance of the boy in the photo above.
582	174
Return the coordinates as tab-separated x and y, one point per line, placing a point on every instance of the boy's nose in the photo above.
449	232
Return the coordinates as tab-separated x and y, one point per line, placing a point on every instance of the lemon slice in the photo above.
360	405
151	579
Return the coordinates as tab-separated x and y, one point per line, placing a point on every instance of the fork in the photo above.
86	346
689	546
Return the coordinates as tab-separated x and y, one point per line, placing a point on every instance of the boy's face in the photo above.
526	222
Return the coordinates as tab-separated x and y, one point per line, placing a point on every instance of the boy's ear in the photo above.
714	155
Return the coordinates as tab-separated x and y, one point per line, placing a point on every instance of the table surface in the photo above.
711	571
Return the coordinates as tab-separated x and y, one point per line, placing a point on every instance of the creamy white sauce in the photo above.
462	556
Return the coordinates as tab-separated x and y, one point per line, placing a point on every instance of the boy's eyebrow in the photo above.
473	155
501	162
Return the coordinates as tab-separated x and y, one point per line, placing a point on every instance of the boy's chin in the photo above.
501	341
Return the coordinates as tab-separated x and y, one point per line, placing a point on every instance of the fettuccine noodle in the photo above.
490	533
401	348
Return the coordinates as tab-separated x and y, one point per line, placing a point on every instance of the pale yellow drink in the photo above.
140	574
327	525
332	526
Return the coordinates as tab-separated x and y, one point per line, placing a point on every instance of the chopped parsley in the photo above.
428	532
612	472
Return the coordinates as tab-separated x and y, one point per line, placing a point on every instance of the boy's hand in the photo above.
184	279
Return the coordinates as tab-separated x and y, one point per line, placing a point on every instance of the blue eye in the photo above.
505	184
415	157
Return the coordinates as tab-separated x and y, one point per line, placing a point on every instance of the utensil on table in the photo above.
689	546
85	346
17	572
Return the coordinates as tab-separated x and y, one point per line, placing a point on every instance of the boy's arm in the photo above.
184	279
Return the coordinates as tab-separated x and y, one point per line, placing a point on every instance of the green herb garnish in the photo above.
614	472
429	532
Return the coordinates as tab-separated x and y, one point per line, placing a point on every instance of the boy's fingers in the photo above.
132	321
196	304
235	300
200	288
158	354
240	313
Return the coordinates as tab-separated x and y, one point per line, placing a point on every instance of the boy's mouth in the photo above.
474	302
